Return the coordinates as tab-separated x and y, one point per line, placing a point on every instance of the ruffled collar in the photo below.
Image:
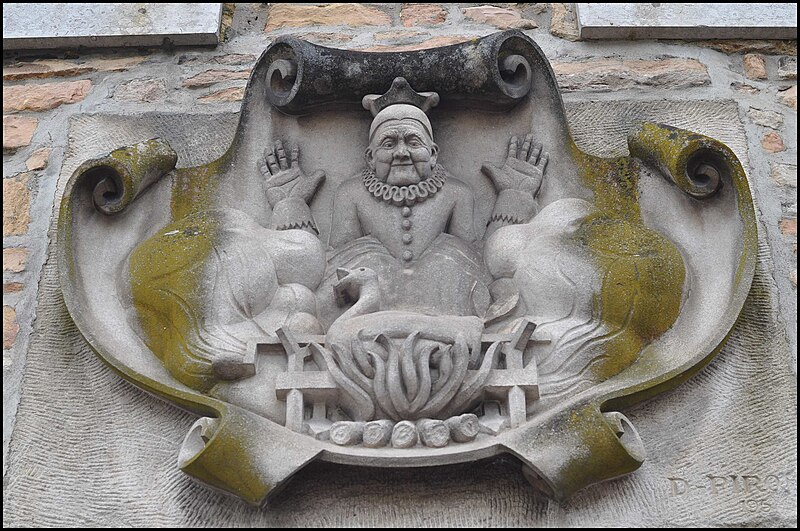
404	195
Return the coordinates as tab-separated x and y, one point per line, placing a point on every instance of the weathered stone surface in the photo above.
788	227
755	66
744	88
499	17
14	259
771	119
784	174
226	21
772	143
563	22
325	39
769	47
787	68
73	25
299	15
18	131
434	42
38	160
77	375
789	97
793	277
43	97
210	77
10	327
224	95
686	21
16	205
412	15
47	68
13	287
142	90
399	36
607	74
235	59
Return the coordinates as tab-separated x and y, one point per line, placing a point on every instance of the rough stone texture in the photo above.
784	174
399	36
45	96
298	15
773	143
235	59
564	23
14	259
131	439
13	287
789	227
687	21
744	88
412	15
142	90
499	17
64	25
789	97
787	68
429	43
771	119
211	77
770	47
16	205
136	422
38	160
46	68
325	39
755	66
18	131
604	75
10	327
228	94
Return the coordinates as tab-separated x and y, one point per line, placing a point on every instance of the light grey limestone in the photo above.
687	21
41	26
706	465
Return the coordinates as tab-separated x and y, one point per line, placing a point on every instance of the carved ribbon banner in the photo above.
447	294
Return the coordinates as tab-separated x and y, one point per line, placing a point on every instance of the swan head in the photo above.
350	281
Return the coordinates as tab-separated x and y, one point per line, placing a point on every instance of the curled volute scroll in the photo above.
404	259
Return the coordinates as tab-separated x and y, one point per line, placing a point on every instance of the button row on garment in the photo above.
407	238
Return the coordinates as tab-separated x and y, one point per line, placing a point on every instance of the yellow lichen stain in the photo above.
194	188
642	271
166	284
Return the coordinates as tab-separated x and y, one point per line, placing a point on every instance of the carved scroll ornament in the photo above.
444	278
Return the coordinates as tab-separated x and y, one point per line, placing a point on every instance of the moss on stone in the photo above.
643	272
167	288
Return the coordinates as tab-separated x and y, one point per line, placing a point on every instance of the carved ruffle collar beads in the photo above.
405	195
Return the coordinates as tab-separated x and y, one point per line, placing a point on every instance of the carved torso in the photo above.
406	231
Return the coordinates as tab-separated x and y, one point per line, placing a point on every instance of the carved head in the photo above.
401	148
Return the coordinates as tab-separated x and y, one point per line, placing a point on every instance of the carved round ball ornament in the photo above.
445	278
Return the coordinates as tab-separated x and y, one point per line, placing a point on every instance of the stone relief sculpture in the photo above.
449	280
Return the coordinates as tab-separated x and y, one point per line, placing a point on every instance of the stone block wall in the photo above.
43	91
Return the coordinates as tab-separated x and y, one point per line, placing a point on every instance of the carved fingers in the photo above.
308	186
523	169
283	176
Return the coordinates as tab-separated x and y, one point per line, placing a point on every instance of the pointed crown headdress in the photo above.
400	102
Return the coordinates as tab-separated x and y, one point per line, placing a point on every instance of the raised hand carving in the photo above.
523	169
285	178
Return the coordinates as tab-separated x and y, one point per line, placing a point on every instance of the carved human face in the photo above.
402	153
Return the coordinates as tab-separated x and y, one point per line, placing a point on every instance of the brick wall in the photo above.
41	92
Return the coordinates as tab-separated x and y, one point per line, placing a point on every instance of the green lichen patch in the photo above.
641	291
194	188
642	271
166	283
